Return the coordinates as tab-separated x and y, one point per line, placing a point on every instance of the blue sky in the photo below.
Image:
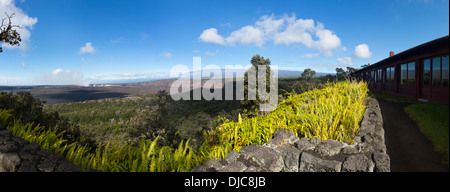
92	41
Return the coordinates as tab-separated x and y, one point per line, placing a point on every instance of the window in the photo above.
436	71
404	74
408	74
426	72
411	73
375	76
378	76
393	75
390	71
445	71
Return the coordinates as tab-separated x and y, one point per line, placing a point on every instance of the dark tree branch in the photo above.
8	34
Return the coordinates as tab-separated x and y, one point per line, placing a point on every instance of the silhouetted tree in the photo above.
8	34
364	66
342	74
350	70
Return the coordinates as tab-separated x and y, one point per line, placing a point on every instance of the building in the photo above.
420	72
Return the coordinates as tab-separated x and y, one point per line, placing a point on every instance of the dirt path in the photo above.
407	147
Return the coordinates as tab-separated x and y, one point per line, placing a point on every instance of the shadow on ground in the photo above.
77	96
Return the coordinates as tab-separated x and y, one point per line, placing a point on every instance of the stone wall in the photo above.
288	153
19	155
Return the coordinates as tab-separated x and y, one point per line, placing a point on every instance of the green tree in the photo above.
158	121
8	34
256	62
350	70
364	66
341	74
308	74
306	82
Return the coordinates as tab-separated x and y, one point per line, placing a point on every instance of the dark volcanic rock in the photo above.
357	163
18	155
310	163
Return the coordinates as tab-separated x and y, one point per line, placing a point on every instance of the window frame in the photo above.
441	70
408	78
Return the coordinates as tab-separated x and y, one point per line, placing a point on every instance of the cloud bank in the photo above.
62	77
280	30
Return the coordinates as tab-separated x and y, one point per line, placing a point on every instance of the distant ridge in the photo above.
147	82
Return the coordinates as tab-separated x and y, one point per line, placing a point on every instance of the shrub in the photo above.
28	109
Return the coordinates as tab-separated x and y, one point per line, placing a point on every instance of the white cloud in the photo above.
269	25
144	37
309	55
8	80
167	55
362	51
297	31
88	48
327	40
25	67
20	19
345	61
281	30
211	53
127	76
62	77
84	60
211	36
246	35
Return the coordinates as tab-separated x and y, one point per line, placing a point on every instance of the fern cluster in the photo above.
145	156
333	112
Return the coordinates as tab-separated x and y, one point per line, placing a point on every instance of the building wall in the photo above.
410	75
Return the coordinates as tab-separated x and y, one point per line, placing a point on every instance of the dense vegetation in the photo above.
333	112
28	109
131	119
